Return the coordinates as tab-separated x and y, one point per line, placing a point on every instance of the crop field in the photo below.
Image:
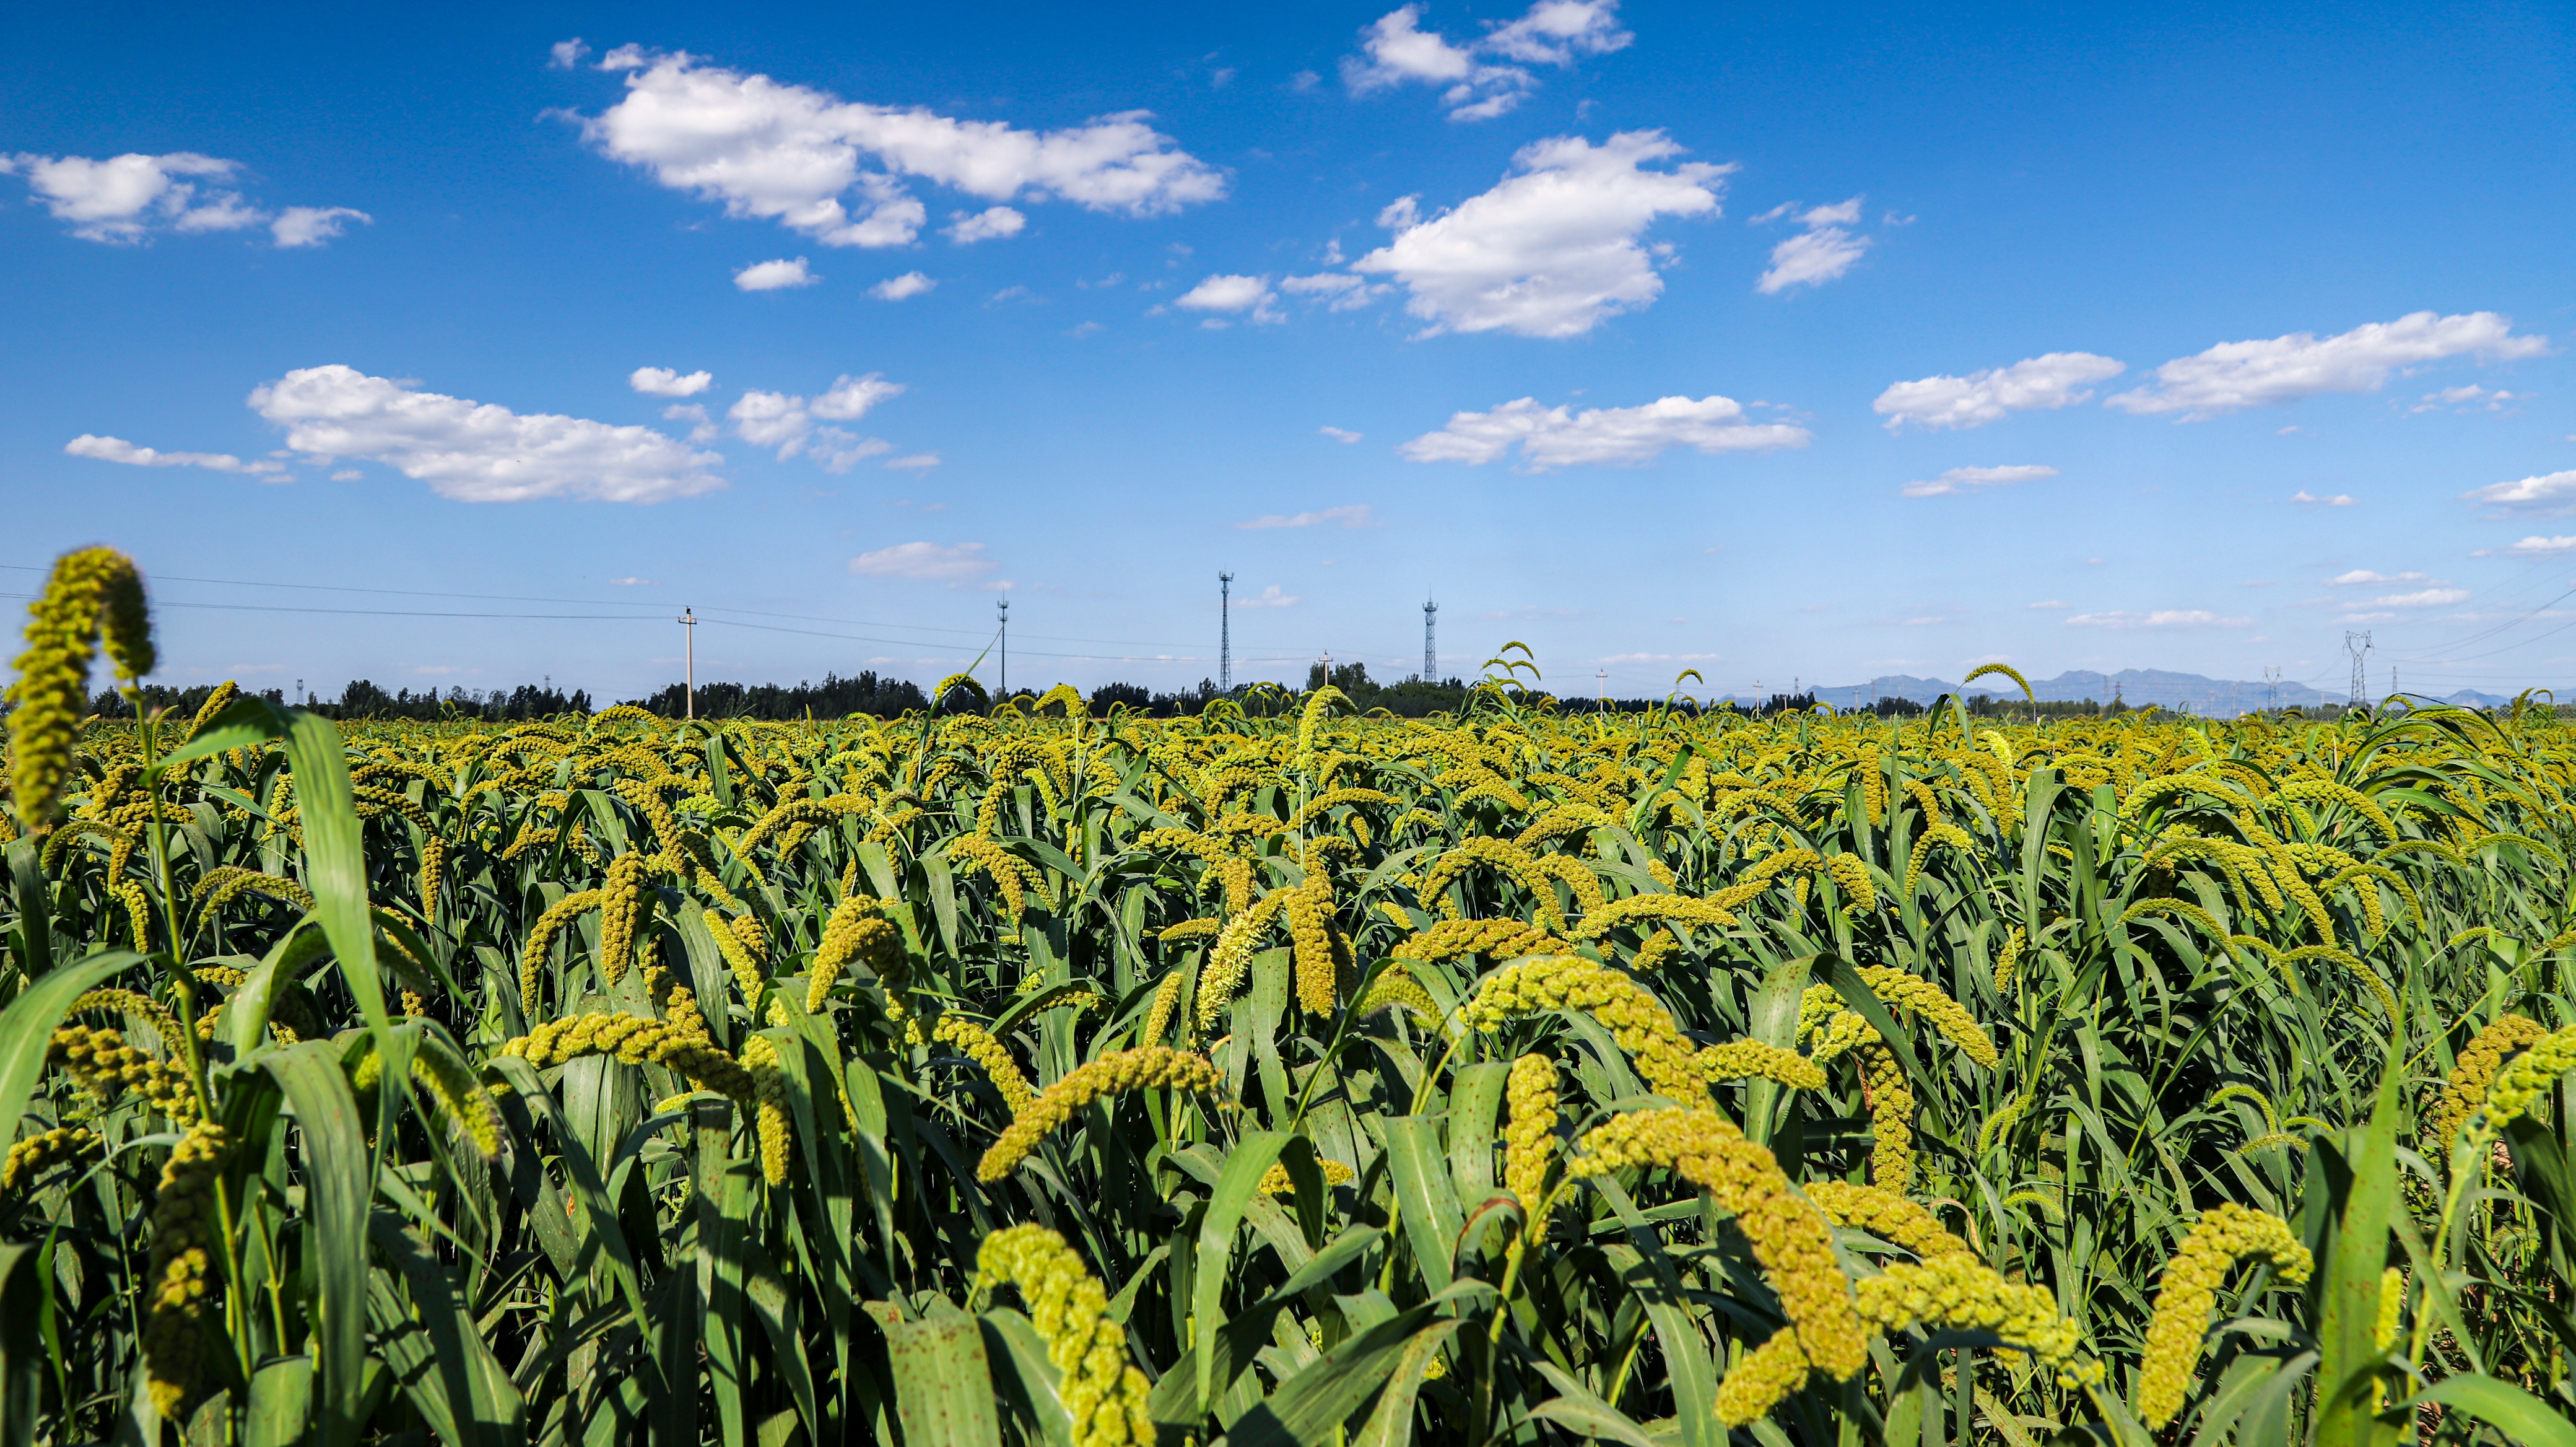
1278	1075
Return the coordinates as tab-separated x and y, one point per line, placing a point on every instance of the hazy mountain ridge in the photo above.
2133	686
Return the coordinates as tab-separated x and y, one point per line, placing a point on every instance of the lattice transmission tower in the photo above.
1430	655
2358	645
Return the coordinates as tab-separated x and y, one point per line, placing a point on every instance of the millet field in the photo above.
1278	1075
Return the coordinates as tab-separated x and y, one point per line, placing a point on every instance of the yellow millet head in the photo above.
1104	1394
978	1045
90	593
1115	1073
1636	1019
2523	1080
1277	1182
2466	1091
1959	1292
1790	1237
1888	1216
1530	1135
2188	1291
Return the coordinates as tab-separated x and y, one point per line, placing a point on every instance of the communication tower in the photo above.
1224	633
1430	655
1003	608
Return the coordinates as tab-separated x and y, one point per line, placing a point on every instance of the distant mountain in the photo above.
2180	692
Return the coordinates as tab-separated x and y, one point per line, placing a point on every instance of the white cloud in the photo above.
955	564
117	449
1825	252
1352	515
2530	547
1554	32
772	275
918	462
967	228
704	429
631	583
1345	292
2161	618
1222	293
565	54
313	225
835	170
777	419
1552	249
2053	380
128	198
2049	606
1811	259
896	288
2421	598
1970	479
2233	376
1339	434
2365	575
478	452
1551	437
2546	495
2308	499
347	474
1271	597
667	382
837	450
2468	398
850	397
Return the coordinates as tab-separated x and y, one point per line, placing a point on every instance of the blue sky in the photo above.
1816	343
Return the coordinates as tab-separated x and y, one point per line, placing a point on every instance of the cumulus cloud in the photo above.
127	199
1352	515
2547	495
2050	605
665	382
702	429
1552	250
1222	293
2530	547
2420	598
313	225
1552	437
2469	398
1811	259
1340	434
836	170
2305	498
773	275
565	54
2057	379
786	422
1824	252
2233	376
896	288
967	228
2360	576
918	462
956	564
1476	79
1270	597
1340	291
1972	479
2161	618
478	451
117	449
